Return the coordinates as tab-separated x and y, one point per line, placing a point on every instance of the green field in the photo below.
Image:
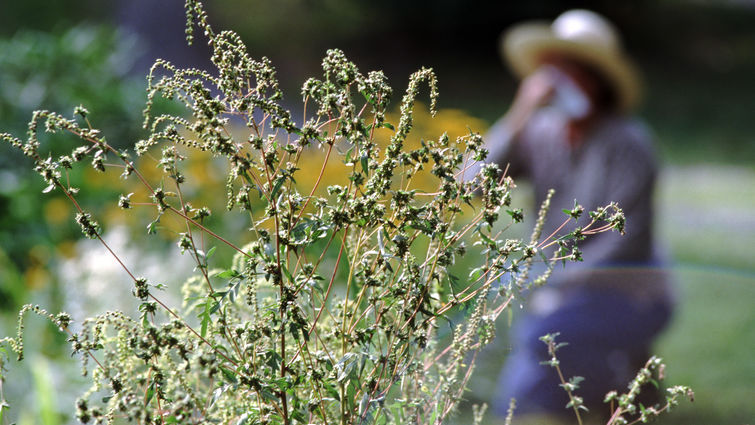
708	217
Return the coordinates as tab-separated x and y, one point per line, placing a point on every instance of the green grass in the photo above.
707	215
709	346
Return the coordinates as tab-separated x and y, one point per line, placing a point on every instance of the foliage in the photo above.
82	65
330	309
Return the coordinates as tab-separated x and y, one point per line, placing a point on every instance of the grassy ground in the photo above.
707	218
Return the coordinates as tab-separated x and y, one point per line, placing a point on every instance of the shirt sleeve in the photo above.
502	149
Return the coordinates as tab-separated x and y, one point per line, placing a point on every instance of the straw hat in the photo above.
583	35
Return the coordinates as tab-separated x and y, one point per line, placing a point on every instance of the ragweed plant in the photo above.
329	310
625	410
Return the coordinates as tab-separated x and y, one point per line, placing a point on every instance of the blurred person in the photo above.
569	128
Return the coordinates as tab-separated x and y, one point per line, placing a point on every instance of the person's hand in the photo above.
534	91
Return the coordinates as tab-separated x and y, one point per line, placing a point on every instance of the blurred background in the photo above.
698	59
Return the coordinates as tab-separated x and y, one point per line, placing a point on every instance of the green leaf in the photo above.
299	416
365	164
229	375
277	186
233	290
152	227
389	126
204	316
281	384
347	156
422	225
150	393
346	365
267	395
380	242
204	323
215	307
228	274
217	393
485	238
476	273
273	359
367	97
3	406
331	390
287	273
243	419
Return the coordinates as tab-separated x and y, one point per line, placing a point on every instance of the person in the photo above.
570	128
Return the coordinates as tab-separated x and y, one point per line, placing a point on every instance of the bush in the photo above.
329	310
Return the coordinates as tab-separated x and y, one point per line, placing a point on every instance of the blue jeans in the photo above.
608	336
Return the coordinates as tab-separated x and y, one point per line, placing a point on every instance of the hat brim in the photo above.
524	46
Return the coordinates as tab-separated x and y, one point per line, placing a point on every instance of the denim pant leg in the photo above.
608	338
